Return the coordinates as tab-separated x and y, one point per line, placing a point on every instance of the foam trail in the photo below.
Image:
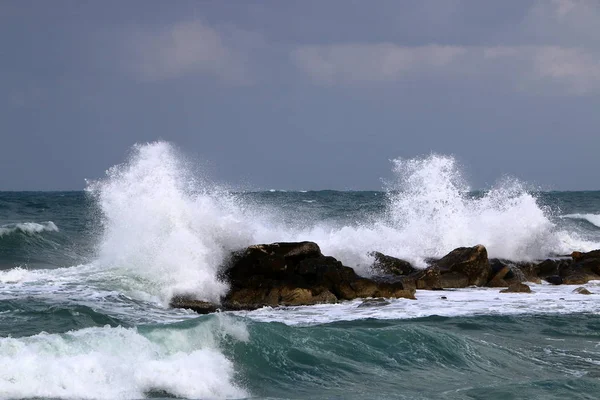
593	219
164	227
28	228
120	363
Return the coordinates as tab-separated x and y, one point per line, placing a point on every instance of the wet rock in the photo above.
528	271
377	302
425	279
500	269
582	290
554	279
584	268
199	306
452	280
517	288
471	262
293	274
497	283
388	265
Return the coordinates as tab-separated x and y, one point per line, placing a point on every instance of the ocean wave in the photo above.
593	219
171	230
28	228
123	363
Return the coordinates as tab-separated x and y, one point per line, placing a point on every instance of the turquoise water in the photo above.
85	278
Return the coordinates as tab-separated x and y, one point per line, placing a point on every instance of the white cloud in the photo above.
189	48
353	63
557	47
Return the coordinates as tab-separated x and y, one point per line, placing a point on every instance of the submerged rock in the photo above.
199	306
517	288
581	290
377	302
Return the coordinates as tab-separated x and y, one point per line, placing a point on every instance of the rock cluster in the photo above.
291	274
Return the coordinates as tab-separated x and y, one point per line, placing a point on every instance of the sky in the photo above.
305	94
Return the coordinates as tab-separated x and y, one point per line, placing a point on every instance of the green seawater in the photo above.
73	325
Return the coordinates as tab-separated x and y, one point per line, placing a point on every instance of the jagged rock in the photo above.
517	288
425	279
548	267
518	276
581	290
584	268
497	283
528	270
377	302
590	255
575	278
294	274
554	279
199	306
471	262
388	265
453	280
501	269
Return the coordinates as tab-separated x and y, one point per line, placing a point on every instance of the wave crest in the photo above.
28	228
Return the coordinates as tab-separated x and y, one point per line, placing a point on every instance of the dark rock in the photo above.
518	276
199	306
554	279
548	267
453	280
294	274
590	255
377	302
425	279
584	268
471	262
444	298
390	265
498	283
582	290
527	270
517	288
501	269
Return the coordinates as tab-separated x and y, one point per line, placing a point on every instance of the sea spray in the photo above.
182	360
164	226
171	231
430	210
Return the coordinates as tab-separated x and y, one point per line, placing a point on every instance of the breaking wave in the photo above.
593	219
28	228
181	360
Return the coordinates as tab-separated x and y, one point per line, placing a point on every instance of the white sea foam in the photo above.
544	299
165	227
593	219
430	212
120	363
28	228
171	231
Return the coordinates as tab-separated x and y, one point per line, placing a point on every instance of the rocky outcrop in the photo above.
517	288
465	264
199	306
581	290
297	274
388	265
292	274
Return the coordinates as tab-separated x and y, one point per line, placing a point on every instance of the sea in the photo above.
86	277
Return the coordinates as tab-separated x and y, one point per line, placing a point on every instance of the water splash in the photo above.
164	227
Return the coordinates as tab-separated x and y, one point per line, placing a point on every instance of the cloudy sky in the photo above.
301	94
